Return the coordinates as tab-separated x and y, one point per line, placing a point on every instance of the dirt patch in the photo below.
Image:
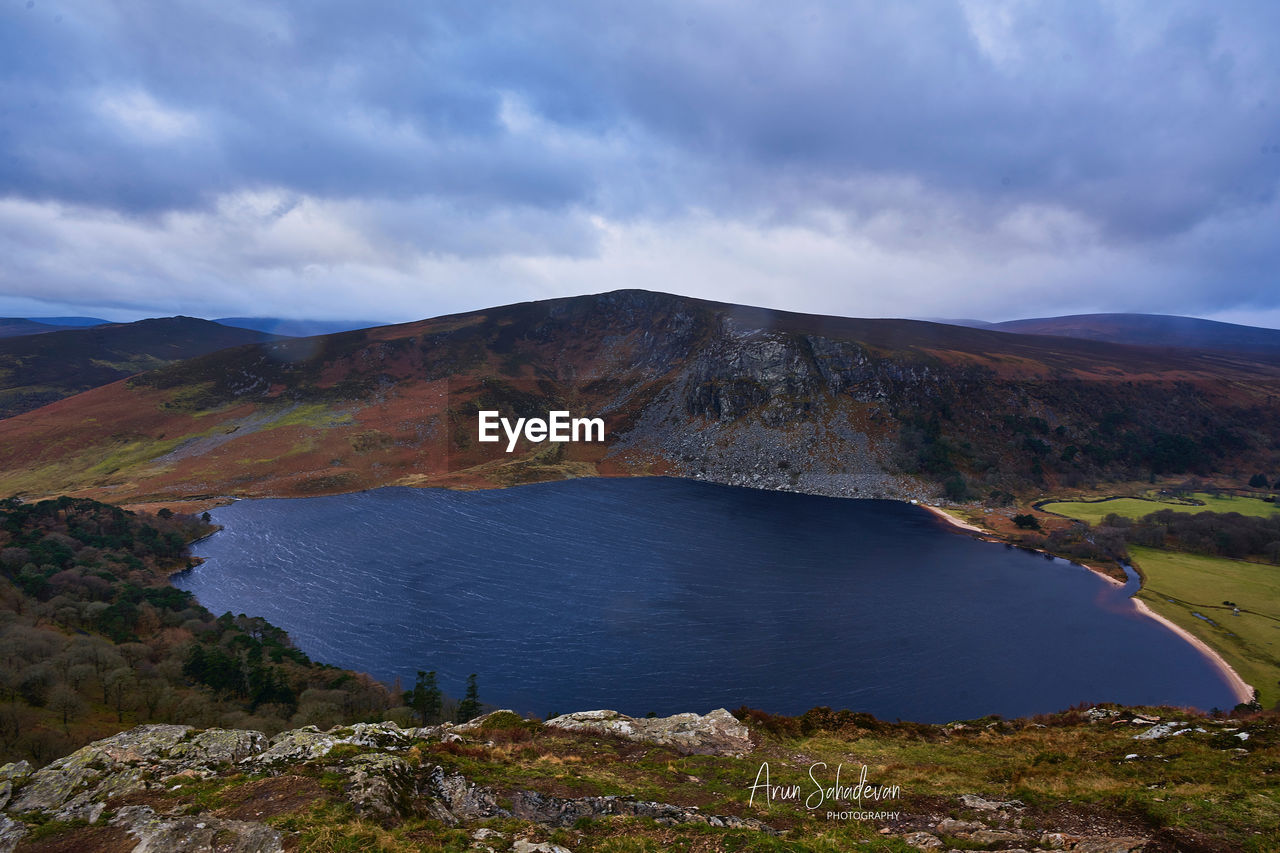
102	839
267	798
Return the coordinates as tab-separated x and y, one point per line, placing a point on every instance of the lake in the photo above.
668	595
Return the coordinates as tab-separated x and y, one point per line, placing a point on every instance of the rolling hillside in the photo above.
1155	330
36	369
728	393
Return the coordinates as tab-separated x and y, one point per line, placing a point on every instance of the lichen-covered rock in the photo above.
379	786
923	841
11	832
521	845
165	834
973	801
309	743
477	723
9	775
212	747
386	735
76	786
716	733
295	746
453	799
15	771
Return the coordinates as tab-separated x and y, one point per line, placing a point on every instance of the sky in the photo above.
397	160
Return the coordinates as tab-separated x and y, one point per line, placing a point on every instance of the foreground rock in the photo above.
158	833
382	780
716	733
161	788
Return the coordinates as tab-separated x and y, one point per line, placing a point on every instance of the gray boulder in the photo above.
716	733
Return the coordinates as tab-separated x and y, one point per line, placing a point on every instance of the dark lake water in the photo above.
671	595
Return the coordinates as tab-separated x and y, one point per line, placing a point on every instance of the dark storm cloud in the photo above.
490	130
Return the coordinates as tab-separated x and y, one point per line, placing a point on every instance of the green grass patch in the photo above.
313	415
1250	642
1094	511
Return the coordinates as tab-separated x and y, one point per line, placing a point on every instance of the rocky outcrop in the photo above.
716	733
100	784
379	786
77	787
127	788
161	833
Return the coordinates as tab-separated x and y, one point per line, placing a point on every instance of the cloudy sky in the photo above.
391	161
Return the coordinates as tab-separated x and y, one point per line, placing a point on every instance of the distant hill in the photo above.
296	328
71	322
41	368
12	327
686	387
1158	330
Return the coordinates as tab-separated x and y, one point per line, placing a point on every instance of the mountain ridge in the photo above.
736	394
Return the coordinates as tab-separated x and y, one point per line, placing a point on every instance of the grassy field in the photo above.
1094	511
1251	641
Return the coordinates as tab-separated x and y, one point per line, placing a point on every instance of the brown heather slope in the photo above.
687	387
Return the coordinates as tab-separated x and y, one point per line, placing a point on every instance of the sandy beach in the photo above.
1244	693
951	519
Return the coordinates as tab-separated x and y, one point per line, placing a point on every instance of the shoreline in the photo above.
951	519
1242	689
996	537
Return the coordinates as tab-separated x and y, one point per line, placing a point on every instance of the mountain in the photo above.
70	322
748	396
14	326
38	369
1157	330
295	328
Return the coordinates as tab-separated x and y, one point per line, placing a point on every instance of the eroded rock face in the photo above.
716	733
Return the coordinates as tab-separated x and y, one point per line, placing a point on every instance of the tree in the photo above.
425	698
1026	521
118	687
66	703
1258	481
469	707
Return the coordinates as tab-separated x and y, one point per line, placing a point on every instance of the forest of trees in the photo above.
1221	534
93	639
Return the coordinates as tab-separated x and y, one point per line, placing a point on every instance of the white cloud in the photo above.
275	252
138	114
